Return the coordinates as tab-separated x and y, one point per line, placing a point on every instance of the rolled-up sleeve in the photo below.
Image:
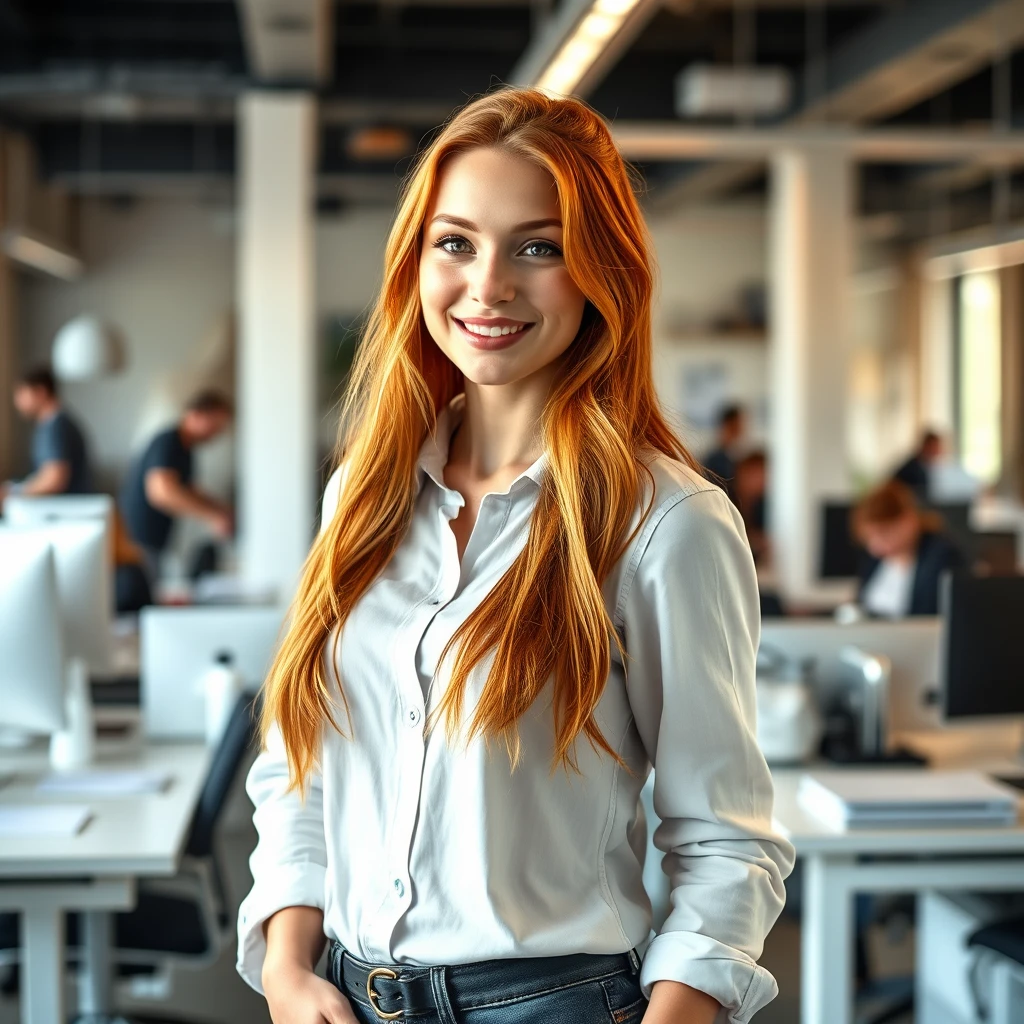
691	622
290	860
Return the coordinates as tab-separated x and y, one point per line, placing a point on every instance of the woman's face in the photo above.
892	538
496	296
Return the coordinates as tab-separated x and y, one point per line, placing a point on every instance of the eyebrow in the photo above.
468	225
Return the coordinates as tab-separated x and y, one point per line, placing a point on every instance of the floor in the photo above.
218	996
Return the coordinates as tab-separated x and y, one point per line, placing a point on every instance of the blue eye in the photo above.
450	244
547	249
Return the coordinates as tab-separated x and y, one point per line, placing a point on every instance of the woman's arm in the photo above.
672	1002
691	625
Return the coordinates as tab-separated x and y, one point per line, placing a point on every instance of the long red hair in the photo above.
545	619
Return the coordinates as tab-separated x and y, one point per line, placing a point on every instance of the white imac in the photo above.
41	509
31	641
85	585
177	646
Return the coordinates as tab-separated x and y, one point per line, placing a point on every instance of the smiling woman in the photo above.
516	547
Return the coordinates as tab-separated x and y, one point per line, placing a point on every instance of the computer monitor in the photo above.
177	646
31	640
981	657
840	555
84	585
39	509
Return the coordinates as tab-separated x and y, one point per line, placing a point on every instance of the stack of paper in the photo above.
51	821
906	797
104	782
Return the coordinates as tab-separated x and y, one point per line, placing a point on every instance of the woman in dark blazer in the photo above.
906	553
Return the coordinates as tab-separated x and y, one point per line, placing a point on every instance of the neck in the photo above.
501	428
49	409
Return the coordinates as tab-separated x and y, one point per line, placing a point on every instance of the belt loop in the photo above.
634	961
445	1013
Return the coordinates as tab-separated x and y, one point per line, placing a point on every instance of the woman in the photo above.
906	553
523	593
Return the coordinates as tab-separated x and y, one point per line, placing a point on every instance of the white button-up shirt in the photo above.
424	852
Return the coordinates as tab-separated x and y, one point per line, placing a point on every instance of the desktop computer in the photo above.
31	640
981	663
84	584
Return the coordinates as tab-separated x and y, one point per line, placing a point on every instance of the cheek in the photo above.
439	288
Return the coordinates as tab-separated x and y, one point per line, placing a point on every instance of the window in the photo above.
978	373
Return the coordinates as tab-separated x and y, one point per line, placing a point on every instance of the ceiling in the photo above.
135	96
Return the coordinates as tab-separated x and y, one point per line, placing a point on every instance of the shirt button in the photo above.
435	600
399	888
413	716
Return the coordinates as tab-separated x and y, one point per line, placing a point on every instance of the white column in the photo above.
809	275
276	356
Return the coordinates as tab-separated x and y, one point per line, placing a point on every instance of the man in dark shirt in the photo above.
59	460
158	487
721	461
916	471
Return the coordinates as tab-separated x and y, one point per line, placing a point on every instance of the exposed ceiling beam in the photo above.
670	141
289	42
566	29
919	48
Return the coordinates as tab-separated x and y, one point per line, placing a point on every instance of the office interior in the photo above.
195	196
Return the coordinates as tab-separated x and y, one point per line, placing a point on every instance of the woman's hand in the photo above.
296	995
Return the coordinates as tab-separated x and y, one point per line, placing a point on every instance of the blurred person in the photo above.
906	553
132	591
158	488
916	471
749	493
511	520
721	460
60	463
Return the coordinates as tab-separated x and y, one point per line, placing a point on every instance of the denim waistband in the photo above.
473	986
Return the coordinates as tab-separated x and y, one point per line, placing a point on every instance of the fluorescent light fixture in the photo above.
707	90
588	41
36	253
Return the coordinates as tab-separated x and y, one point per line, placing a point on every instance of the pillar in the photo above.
277	334
809	281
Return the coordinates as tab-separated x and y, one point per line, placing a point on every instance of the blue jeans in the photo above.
579	989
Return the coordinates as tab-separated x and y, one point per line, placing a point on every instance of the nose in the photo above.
491	280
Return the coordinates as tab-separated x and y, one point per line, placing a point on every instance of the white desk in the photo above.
901	860
93	872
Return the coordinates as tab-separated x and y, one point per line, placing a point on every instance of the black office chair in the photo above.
181	921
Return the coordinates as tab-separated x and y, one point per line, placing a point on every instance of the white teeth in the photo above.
493	332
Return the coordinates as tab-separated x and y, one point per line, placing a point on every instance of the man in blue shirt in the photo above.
60	462
158	487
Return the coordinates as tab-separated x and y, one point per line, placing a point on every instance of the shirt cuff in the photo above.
703	963
292	885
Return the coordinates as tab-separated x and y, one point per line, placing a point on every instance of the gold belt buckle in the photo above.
380	972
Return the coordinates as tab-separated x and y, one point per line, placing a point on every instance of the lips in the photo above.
492	332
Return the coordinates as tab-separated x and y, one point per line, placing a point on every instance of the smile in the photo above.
496	332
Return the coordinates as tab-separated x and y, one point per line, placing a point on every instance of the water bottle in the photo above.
222	685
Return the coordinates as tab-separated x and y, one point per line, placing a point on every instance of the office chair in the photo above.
997	974
182	921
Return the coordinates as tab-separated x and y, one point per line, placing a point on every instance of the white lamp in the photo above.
85	347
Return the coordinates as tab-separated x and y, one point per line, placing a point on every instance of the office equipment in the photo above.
911	647
48	821
838	863
179	645
982	658
36	510
84	584
105	782
31	640
839	555
906	798
95	871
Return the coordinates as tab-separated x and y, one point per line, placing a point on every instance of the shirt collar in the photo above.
433	455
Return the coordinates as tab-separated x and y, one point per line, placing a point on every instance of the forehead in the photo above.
469	184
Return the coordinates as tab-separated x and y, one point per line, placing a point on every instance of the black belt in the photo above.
397	991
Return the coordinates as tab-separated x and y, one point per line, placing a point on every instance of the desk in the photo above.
902	860
93	872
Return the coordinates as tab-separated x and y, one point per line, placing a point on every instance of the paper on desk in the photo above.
29	821
106	782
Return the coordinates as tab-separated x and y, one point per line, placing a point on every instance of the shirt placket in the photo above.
412	712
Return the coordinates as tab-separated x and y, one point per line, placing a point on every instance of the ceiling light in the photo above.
86	348
36	253
590	37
